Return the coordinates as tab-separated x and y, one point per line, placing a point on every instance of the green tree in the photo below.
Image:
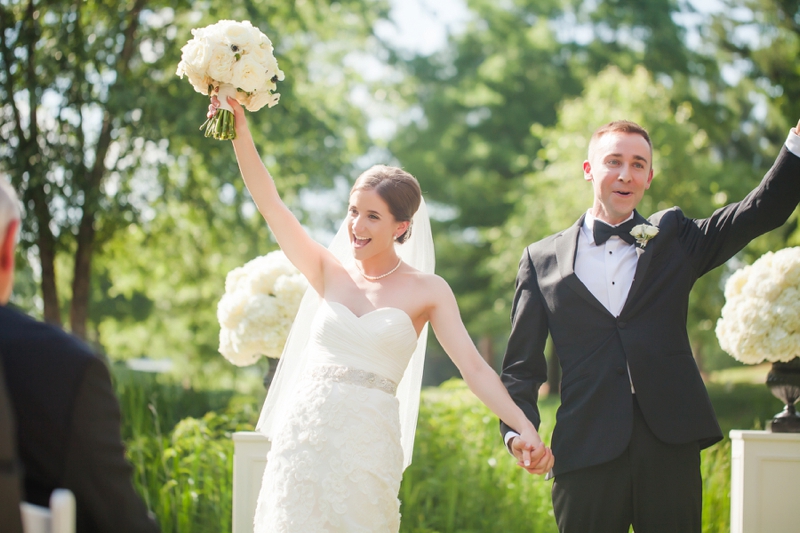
120	185
203	221
66	73
481	100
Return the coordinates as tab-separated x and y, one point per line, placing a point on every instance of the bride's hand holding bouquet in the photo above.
231	59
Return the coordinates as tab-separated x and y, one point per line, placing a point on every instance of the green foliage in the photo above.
716	471
199	221
152	404
483	100
179	442
185	477
762	38
461	480
743	406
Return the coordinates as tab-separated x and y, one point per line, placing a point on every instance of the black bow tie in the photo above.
603	231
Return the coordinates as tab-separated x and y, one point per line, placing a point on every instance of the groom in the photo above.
613	292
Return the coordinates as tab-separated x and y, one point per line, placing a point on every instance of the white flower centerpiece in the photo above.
761	322
257	310
233	59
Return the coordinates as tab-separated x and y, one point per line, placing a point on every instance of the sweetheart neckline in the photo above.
359	317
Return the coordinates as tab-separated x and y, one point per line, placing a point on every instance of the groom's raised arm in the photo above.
524	364
712	241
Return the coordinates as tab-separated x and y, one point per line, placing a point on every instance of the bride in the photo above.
342	409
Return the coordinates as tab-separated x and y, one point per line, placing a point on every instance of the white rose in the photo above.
194	53
220	64
265	42
240	36
261	55
261	99
195	78
272	68
248	74
650	231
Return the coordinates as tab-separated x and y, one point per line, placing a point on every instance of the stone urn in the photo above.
784	382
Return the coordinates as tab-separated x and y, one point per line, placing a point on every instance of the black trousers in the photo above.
653	486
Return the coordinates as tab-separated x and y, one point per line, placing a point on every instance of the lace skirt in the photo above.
336	463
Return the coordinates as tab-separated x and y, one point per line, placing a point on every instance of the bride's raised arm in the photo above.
305	253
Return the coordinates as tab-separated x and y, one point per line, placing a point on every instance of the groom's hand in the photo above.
536	459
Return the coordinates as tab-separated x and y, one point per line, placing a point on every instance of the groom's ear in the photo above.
587	171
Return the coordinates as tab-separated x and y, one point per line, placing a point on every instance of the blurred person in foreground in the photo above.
10	470
613	292
67	417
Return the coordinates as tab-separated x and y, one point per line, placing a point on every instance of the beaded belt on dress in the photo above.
354	376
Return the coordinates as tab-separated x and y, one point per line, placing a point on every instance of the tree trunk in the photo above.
486	349
81	282
699	359
82	274
29	163
47	255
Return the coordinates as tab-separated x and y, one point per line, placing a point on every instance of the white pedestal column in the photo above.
765	478
249	461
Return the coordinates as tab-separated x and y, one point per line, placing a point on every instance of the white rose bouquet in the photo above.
761	317
257	310
233	59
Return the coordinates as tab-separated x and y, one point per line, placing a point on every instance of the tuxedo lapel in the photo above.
645	254
566	244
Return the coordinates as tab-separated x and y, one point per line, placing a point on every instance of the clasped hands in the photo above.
531	454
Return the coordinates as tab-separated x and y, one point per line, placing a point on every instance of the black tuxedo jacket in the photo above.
594	421
68	426
10	478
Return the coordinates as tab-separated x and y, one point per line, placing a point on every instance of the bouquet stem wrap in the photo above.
233	59
222	125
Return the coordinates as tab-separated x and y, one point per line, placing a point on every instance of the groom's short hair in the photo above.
620	126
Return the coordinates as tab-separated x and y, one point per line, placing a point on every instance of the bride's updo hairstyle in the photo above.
399	189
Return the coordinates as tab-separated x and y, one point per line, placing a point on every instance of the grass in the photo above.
462	479
754	374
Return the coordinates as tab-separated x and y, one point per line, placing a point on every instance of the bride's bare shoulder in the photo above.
431	284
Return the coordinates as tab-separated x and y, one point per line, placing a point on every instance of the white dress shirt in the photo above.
607	270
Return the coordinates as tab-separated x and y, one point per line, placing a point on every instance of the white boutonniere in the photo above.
643	233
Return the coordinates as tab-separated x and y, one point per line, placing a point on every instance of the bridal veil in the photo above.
418	252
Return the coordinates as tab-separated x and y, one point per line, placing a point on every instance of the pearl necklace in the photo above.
376	278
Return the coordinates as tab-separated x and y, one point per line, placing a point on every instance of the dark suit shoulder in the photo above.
665	216
546	243
23	336
540	246
45	370
671	222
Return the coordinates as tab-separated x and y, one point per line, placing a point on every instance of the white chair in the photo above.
58	518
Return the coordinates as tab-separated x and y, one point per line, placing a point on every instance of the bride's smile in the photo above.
372	228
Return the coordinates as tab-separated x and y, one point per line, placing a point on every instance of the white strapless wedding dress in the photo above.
336	462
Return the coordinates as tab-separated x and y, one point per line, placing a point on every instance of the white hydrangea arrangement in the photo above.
257	310
233	59
761	317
